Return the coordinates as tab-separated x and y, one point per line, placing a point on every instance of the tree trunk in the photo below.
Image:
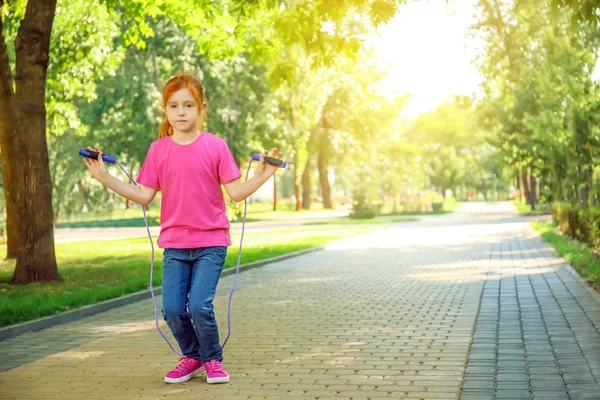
297	177
306	189
28	159
297	182
532	192
586	187
518	179
322	161
541	182
274	193
6	143
559	189
85	195
525	181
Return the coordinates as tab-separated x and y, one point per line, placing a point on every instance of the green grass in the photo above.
262	211
525	209
110	223
133	217
95	271
348	221
450	205
578	254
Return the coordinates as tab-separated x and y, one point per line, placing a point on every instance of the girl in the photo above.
189	166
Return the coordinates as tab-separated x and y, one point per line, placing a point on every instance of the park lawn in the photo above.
95	271
525	209
376	220
578	254
134	217
449	205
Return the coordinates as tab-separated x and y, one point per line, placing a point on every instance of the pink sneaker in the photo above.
215	372
187	368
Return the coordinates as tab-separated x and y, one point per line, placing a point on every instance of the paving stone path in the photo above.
470	305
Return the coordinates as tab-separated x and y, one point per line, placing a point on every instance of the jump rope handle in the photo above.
94	155
112	159
270	160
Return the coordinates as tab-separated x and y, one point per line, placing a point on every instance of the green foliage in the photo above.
444	167
581	224
560	215
525	209
540	97
581	10
363	205
328	29
11	13
422	203
81	52
454	149
107	70
292	75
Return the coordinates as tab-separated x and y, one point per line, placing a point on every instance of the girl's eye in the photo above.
190	105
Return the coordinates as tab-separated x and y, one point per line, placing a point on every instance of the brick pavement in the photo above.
471	305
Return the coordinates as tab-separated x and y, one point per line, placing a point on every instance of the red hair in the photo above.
178	82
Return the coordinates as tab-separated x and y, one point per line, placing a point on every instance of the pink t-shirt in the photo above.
192	210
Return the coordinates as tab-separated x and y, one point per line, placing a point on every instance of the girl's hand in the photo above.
264	170
96	167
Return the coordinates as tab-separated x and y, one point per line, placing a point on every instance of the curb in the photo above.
588	287
86	311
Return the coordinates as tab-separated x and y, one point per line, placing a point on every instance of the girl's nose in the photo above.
181	110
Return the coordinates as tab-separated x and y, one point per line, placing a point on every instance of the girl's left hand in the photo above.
264	170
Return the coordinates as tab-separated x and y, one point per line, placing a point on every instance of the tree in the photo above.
23	141
581	10
82	55
291	111
8	28
23	130
544	106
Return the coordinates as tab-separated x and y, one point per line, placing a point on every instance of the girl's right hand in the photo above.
96	167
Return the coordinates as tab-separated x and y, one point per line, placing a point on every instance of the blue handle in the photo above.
94	155
270	160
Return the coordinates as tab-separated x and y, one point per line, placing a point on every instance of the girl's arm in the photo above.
140	194
239	190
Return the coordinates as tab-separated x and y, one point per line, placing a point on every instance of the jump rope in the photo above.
255	157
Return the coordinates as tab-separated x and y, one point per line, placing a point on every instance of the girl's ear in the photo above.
204	105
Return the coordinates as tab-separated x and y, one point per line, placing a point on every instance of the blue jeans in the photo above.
189	285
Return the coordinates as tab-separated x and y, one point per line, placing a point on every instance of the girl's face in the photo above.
183	112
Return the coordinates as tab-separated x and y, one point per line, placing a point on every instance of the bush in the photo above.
234	210
560	215
582	224
437	207
362	208
589	227
420	203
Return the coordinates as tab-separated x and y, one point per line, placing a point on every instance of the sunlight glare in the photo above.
429	53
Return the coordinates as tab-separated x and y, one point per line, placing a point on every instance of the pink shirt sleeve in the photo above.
227	168
148	174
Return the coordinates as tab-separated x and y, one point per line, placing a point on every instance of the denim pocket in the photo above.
219	251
